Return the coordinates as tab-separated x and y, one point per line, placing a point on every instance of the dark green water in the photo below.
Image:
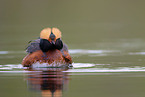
106	40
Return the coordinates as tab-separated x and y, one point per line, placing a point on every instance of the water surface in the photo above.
106	40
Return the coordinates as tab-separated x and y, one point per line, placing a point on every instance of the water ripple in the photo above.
78	67
82	65
71	51
137	53
11	66
11	52
103	70
4	52
82	51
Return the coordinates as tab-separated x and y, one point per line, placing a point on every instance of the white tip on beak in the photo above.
52	42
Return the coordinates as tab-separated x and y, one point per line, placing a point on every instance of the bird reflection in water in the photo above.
50	82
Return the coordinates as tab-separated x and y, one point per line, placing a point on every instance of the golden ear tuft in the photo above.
56	32
45	33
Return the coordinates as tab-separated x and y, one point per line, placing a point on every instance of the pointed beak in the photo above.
52	37
52	42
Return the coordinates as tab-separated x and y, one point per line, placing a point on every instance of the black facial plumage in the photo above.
58	44
45	45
